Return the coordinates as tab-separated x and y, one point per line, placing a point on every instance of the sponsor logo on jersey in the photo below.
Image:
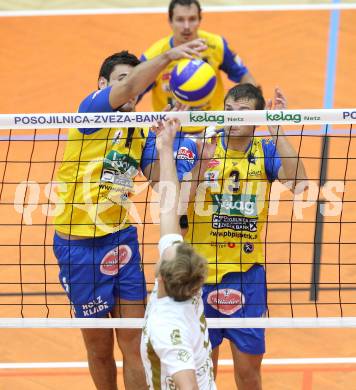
248	247
234	223
211	175
251	158
121	163
230	234
185	153
226	301
117	137
119	170
213	163
95	306
255	173
221	245
244	205
183	355
115	259
176	338
170	383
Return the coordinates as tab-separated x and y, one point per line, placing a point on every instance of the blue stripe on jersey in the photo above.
97	101
185	165
272	159
149	153
233	69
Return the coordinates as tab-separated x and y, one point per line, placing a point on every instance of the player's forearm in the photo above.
152	172
146	73
197	177
292	164
247	78
138	80
169	222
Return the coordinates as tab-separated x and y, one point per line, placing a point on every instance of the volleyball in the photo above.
193	82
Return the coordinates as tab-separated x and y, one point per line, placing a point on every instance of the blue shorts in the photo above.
238	295
94	272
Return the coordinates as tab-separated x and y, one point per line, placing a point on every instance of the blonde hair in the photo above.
184	275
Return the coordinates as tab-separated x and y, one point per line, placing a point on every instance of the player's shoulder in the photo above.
100	96
266	144
185	147
167	316
158	48
88	99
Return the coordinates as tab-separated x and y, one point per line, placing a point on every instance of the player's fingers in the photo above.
281	103
178	106
192	51
154	126
214	139
198	43
183	107
279	94
187	55
195	52
167	108
268	104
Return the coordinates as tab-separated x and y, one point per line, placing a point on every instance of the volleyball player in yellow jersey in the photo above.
96	247
225	226
184	19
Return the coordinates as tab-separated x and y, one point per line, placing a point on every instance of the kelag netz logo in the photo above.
206	117
281	116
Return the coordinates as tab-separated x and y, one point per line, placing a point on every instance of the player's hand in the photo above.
279	101
190	50
165	133
176	107
206	149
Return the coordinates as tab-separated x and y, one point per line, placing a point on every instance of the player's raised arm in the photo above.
169	185
292	169
145	74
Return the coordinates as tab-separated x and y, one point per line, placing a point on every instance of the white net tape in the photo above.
187	118
220	323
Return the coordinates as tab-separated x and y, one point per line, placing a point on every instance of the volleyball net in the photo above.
309	238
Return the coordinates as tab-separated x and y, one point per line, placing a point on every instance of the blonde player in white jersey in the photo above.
175	346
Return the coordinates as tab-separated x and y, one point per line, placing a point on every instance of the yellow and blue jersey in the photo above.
185	154
96	176
218	55
226	222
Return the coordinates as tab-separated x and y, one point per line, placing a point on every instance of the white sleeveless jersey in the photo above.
175	338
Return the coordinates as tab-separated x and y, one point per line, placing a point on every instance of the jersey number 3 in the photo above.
234	182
